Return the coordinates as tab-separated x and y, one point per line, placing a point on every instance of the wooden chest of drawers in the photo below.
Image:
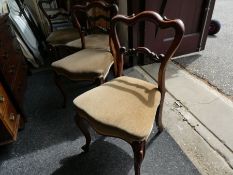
13	76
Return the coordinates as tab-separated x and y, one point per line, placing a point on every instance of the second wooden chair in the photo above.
94	61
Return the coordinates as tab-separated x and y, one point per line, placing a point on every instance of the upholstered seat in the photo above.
93	41
129	109
85	64
63	36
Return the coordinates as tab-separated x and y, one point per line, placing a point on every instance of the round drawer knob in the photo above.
2	99
12	116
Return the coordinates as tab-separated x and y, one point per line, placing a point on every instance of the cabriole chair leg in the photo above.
139	153
84	129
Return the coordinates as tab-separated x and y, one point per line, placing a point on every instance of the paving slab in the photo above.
209	107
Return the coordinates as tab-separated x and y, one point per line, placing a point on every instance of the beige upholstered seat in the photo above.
85	65
93	41
63	36
129	109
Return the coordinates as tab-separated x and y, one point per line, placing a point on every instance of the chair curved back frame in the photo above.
50	17
89	25
120	125
120	51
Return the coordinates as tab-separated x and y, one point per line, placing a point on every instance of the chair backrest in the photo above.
51	11
94	17
147	16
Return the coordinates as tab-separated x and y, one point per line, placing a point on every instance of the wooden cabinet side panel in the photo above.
13	76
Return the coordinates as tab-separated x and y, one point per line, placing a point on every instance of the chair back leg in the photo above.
158	118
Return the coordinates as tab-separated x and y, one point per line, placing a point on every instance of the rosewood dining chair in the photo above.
94	60
127	107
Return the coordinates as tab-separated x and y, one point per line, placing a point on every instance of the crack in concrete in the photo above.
193	126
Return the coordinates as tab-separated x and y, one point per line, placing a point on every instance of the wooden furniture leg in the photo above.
139	153
158	119
84	129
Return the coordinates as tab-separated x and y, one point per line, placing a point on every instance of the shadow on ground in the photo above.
113	160
51	142
185	61
47	122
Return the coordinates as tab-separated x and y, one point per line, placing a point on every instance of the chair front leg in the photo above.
84	129
139	154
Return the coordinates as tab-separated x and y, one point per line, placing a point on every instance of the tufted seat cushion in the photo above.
85	64
94	41
63	36
124	108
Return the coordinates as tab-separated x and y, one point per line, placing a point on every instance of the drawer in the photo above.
6	52
3	102
7	45
11	67
9	51
20	82
12	120
4	57
2	105
6	33
3	20
1	43
9	117
16	45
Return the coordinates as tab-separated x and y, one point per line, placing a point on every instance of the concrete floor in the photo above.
215	63
209	113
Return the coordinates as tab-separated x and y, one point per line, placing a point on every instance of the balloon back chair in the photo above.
58	29
94	61
55	15
127	107
93	22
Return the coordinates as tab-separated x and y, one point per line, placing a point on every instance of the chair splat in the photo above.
142	50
